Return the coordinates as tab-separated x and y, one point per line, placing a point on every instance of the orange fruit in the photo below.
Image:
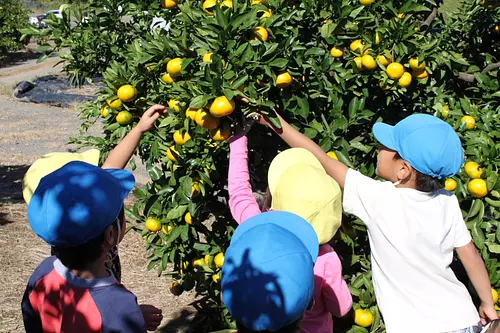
368	62
172	154
191	113
153	224
421	75
174	67
216	278
358	62
227	3
494	294
470	122
167	229
450	184
127	93
115	104
259	33
167	78
168	4
174	105
105	110
259	2
400	15
195	190
333	155
473	170
188	219
207	57
208	4
357	45
176	288
405	80
206	120
416	66
366	2
221	107
377	38
198	262
222	133
477	188
219	260
363	318
181	138
283	80
383	60
124	118
263	14
336	53
395	70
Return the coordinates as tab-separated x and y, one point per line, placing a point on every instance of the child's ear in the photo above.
110	236
405	170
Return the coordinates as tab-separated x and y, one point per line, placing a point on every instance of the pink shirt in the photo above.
332	296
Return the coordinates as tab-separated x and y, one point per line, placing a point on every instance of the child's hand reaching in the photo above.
243	126
152	316
149	117
487	313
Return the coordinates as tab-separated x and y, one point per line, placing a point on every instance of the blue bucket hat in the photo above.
77	202
268	274
429	144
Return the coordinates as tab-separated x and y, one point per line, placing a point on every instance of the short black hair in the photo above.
424	183
79	257
291	328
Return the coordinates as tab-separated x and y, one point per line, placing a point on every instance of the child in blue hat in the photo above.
413	226
78	210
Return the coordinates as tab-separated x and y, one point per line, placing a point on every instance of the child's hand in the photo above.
149	117
487	313
152	316
243	126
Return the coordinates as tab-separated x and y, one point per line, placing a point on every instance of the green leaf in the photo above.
278	63
176	212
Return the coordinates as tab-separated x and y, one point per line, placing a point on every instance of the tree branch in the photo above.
470	77
428	21
490	67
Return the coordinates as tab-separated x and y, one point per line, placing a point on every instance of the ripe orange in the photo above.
167	229
127	93
191	113
198	262
332	155
470	122
208	57
176	288
395	70
383	60
283	80
494	294
416	66
477	188
377	38
115	104
227	3
105	110
172	154
368	62
221	107
216	278
174	105
168	4
167	78
181	138
124	118
153	224
263	14
473	170
363	318
421	74
405	80
208	4
219	260
195	190
206	120
174	67
357	45
358	62
400	15
336	53
222	133
259	2
366	2
496	28
259	33
450	184
188	219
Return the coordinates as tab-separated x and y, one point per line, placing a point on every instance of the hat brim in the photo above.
384	134
125	179
288	221
287	158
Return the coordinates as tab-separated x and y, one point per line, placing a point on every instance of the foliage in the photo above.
12	18
330	100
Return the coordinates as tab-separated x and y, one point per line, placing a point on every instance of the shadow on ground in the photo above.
11	183
17	58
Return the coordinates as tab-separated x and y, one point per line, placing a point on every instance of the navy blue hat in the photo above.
429	144
77	202
268	274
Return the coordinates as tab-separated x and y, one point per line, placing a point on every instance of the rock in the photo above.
23	88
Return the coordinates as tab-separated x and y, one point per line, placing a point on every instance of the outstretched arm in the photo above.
121	154
337	170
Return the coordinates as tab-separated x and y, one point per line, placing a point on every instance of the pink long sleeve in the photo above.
336	294
241	200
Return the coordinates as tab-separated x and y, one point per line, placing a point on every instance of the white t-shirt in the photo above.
412	236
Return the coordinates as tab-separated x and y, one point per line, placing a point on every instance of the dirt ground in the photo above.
27	131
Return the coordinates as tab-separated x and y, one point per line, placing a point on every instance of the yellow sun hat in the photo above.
51	162
312	194
286	159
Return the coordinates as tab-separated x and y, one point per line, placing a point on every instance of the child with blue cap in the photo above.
77	208
413	226
268	275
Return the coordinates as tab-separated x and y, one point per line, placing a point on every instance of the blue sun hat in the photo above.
429	144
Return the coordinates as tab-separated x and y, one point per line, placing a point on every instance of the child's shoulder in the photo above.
43	269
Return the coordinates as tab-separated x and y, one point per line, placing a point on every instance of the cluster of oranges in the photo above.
477	186
125	94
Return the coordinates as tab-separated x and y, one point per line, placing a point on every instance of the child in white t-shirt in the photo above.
413	226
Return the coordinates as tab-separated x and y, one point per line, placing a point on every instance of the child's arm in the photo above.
294	139
336	295
241	201
478	275
121	154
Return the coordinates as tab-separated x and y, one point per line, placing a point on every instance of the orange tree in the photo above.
332	69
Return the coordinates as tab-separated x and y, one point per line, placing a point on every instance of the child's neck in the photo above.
94	270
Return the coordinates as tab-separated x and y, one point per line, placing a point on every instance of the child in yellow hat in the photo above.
298	184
